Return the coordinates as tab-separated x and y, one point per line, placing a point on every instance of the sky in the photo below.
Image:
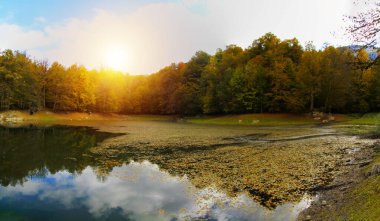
143	36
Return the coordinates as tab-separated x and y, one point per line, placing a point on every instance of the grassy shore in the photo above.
370	119
241	119
363	201
265	119
48	117
358	203
253	119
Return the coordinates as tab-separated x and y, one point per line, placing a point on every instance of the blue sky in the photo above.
151	34
28	13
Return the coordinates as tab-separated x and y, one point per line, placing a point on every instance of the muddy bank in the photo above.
336	199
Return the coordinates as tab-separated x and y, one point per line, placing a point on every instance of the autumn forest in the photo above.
271	75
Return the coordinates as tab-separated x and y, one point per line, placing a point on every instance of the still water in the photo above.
50	174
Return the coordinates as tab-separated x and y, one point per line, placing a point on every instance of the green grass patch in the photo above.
254	119
150	117
370	118
364	201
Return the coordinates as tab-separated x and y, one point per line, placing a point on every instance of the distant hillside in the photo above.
372	52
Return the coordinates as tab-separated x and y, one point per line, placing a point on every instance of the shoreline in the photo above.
333	197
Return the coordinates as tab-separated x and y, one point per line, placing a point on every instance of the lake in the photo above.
53	173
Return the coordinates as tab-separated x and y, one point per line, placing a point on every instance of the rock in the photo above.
324	203
308	217
375	171
255	121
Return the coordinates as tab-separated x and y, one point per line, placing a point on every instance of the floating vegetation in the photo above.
272	165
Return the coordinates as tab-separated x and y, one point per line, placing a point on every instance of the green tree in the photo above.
309	76
58	88
191	83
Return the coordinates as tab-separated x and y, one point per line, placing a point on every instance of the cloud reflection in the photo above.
140	191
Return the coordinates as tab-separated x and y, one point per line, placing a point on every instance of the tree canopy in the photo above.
271	75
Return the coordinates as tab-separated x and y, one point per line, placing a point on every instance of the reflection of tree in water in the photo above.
35	151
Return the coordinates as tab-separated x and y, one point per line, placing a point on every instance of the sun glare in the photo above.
116	59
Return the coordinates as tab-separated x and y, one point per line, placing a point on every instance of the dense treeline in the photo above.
269	76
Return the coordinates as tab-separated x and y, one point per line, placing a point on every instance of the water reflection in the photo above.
50	174
137	191
34	151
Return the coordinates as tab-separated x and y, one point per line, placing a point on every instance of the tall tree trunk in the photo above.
44	98
327	100
55	102
311	101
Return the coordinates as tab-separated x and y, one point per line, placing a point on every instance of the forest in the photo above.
271	75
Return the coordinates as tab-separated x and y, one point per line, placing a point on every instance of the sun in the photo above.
116	59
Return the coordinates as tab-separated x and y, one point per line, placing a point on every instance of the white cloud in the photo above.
14	37
40	19
305	19
156	35
140	191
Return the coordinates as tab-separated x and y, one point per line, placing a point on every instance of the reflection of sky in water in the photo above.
137	191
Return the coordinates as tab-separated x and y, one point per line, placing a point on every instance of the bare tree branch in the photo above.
364	31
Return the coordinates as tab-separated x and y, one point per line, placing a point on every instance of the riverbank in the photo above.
23	118
273	119
48	116
18	117
354	194
264	119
